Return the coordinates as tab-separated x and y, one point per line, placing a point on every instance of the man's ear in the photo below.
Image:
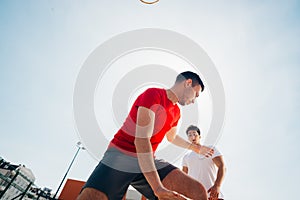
188	83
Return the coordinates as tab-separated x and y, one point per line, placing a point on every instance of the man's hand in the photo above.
214	192
164	194
204	150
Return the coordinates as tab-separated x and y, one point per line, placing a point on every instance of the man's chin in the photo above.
182	103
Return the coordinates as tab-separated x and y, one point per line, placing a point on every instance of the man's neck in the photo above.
172	95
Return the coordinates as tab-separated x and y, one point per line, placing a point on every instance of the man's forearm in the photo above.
179	141
146	162
220	176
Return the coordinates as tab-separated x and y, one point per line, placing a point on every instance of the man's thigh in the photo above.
112	182
180	182
91	193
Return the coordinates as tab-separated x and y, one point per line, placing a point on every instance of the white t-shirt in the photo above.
201	168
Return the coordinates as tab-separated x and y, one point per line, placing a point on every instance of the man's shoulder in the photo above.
154	89
153	92
217	152
151	95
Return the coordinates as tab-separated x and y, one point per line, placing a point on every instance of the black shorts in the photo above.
116	171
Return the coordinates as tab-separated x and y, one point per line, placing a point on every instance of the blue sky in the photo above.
254	45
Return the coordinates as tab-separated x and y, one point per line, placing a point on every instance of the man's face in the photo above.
193	136
189	94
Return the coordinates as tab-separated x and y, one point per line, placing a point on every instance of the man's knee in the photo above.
184	184
91	193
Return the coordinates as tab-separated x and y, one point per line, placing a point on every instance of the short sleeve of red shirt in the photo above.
175	122
149	98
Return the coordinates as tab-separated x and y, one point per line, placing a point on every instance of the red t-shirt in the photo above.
167	115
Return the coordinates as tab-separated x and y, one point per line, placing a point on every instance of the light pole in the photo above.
79	146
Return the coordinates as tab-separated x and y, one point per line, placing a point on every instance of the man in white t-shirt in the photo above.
208	171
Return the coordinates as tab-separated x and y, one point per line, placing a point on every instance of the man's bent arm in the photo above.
216	188
144	131
221	170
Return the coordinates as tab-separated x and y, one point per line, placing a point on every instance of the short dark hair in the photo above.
196	80
193	128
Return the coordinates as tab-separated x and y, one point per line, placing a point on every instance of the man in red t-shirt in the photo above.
129	159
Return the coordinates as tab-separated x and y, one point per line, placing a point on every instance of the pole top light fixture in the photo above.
79	145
